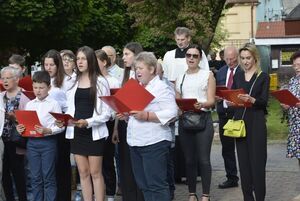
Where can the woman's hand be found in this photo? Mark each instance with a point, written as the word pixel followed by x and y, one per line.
pixel 115 137
pixel 20 128
pixel 230 104
pixel 10 116
pixel 298 105
pixel 42 130
pixel 81 123
pixel 246 98
pixel 198 105
pixel 59 123
pixel 284 106
pixel 122 116
pixel 140 115
pixel 218 98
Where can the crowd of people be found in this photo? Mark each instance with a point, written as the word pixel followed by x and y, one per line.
pixel 139 152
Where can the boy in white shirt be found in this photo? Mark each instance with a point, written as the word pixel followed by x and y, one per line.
pixel 41 152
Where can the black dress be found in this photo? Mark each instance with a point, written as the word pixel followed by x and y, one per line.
pixel 83 143
pixel 252 150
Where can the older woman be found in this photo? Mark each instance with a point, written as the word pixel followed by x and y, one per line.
pixel 148 134
pixel 13 157
pixel 252 150
pixel 293 143
pixel 196 145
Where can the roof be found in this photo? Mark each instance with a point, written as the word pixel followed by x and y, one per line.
pixel 270 30
pixel 295 13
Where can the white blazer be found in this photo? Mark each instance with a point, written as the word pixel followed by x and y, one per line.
pixel 100 116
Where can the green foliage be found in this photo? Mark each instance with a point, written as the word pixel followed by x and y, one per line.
pixel 163 16
pixel 35 26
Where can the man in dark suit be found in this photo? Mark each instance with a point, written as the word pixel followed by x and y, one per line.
pixel 224 77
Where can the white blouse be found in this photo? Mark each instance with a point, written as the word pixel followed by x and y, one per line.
pixel 143 133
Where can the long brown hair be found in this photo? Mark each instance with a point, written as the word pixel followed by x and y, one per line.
pixel 60 73
pixel 93 71
pixel 136 48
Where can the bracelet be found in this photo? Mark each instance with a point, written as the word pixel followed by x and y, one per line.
pixel 147 116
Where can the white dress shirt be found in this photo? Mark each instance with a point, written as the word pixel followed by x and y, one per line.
pixel 100 115
pixel 143 133
pixel 42 108
pixel 59 95
pixel 69 81
pixel 116 72
pixel 173 67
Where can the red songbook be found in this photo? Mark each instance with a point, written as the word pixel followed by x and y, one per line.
pixel 219 88
pixel 29 94
pixel 114 91
pixel 186 104
pixel 232 96
pixel 132 96
pixel 286 97
pixel 1 86
pixel 29 119
pixel 66 118
pixel 26 83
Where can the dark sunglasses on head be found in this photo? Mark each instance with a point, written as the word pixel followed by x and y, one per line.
pixel 195 56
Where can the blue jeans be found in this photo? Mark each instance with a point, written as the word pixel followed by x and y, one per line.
pixel 149 165
pixel 41 154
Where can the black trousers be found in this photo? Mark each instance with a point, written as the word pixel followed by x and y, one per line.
pixel 13 164
pixel 108 170
pixel 130 191
pixel 228 152
pixel 63 168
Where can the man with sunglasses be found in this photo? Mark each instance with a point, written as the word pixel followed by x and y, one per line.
pixel 224 77
pixel 174 62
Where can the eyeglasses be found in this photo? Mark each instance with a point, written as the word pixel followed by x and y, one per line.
pixel 6 78
pixel 195 56
pixel 68 60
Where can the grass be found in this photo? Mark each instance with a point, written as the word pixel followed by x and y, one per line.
pixel 276 129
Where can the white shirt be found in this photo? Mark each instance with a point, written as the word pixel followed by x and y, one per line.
pixel 194 85
pixel 42 108
pixel 173 67
pixel 69 81
pixel 100 115
pixel 143 133
pixel 59 95
pixel 116 72
pixel 227 78
pixel 2 112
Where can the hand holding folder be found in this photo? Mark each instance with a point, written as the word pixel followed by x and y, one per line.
pixel 30 120
pixel 232 96
pixel 132 96
pixel 65 118
pixel 186 104
pixel 285 97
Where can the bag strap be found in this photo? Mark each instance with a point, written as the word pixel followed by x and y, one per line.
pixel 181 85
pixel 250 93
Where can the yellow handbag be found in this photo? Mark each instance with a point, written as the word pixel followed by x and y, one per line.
pixel 235 128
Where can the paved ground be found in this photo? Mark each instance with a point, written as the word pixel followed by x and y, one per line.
pixel 283 177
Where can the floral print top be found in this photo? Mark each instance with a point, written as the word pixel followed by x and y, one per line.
pixel 293 144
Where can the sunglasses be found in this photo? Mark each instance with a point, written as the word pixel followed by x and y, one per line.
pixel 195 56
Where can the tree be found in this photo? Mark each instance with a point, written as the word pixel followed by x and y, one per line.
pixel 157 18
pixel 35 26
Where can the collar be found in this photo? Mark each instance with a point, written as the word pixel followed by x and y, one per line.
pixel 36 100
pixel 180 53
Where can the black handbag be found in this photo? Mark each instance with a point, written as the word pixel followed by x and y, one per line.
pixel 195 121
pixel 190 120
pixel 17 139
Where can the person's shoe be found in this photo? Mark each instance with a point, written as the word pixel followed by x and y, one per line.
pixel 228 184
pixel 119 191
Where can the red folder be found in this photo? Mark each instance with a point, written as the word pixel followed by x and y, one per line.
pixel 132 96
pixel 113 91
pixel 186 104
pixel 232 96
pixel 29 119
pixel 286 97
pixel 66 118
pixel 1 86
pixel 29 94
pixel 26 83
pixel 219 88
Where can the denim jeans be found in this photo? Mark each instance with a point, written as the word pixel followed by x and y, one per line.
pixel 41 153
pixel 149 164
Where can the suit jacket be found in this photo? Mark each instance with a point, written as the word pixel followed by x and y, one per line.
pixel 221 80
